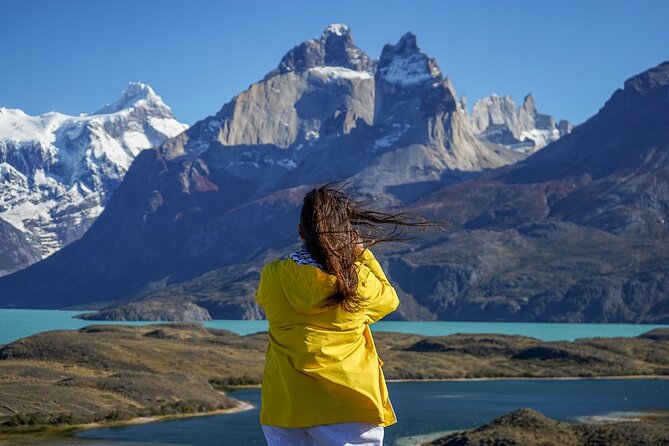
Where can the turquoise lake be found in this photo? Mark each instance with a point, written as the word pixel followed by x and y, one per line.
pixel 15 324
pixel 422 408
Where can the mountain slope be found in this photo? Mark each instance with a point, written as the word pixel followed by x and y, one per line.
pixel 577 232
pixel 15 250
pixel 57 171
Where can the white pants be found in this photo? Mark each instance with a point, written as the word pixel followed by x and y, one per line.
pixel 338 434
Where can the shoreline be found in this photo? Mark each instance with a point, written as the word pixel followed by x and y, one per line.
pixel 501 378
pixel 241 406
pixel 33 434
pixel 69 431
pixel 536 378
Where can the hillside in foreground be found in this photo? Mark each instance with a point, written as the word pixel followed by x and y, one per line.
pixel 108 373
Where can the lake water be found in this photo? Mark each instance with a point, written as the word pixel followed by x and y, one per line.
pixel 15 324
pixel 422 408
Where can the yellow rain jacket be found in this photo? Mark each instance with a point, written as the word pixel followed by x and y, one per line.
pixel 321 365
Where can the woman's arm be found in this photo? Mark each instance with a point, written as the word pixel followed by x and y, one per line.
pixel 380 296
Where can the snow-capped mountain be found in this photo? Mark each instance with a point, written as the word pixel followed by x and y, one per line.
pixel 328 110
pixel 227 188
pixel 57 171
pixel 496 119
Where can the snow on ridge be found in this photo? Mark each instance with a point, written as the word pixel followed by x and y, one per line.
pixel 17 125
pixel 167 126
pixel 540 137
pixel 328 73
pixel 338 29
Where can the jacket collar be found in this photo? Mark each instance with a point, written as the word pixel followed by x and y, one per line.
pixel 302 257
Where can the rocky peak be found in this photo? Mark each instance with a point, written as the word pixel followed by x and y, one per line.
pixel 337 29
pixel 651 86
pixel 496 119
pixel 136 94
pixel 334 48
pixel 649 80
pixel 529 106
pixel 405 64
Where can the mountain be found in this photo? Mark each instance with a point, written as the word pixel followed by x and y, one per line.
pixel 215 195
pixel 578 232
pixel 57 171
pixel 327 103
pixel 572 233
pixel 496 119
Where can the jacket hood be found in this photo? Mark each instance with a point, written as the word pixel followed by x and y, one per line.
pixel 306 286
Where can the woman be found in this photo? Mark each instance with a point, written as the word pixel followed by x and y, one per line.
pixel 323 383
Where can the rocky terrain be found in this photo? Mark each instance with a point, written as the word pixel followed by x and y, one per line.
pixel 57 171
pixel 108 373
pixel 528 427
pixel 577 232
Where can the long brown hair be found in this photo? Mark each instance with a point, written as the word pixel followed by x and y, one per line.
pixel 335 227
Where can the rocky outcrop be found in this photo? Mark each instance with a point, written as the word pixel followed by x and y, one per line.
pixel 421 137
pixel 152 310
pixel 496 119
pixel 531 428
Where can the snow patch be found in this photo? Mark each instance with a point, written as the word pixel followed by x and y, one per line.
pixel 287 163
pixel 334 73
pixel 338 29
pixel 540 137
pixel 408 70
pixel 168 126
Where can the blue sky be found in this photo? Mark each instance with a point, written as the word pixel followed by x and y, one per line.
pixel 74 56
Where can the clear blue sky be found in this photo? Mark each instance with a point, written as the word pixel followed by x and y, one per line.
pixel 74 56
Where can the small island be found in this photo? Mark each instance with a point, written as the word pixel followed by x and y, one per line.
pixel 60 381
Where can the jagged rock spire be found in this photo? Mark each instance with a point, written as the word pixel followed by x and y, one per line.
pixel 405 64
pixel 335 48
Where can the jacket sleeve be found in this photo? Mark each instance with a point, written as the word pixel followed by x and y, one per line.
pixel 261 289
pixel 380 296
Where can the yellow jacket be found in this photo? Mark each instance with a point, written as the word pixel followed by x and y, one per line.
pixel 321 365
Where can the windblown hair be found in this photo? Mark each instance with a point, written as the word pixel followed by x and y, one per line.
pixel 336 228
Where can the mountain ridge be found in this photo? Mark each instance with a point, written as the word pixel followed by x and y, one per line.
pixel 195 217
pixel 57 170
